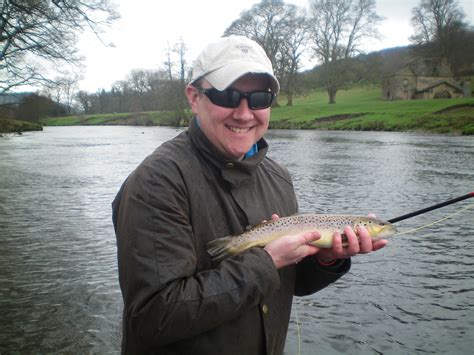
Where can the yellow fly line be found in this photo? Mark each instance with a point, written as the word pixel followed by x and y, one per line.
pixel 438 221
pixel 295 306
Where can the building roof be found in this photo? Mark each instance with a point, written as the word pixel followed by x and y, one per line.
pixel 438 83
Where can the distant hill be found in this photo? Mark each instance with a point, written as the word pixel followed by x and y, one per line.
pixel 28 106
pixel 389 60
pixel 13 98
pixel 374 66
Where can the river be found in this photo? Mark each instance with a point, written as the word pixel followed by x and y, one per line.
pixel 58 270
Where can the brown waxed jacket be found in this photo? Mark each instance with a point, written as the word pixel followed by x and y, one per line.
pixel 176 301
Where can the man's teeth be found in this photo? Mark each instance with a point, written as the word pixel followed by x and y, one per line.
pixel 239 130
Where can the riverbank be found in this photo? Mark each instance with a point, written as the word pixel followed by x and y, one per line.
pixel 360 108
pixel 15 126
pixel 363 109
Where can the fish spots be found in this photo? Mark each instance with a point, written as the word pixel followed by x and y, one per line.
pixel 263 233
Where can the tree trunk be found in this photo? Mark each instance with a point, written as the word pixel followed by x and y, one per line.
pixel 332 94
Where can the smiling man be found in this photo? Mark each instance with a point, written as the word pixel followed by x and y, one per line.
pixel 233 130
pixel 211 181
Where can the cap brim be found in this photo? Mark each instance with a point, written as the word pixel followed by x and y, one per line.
pixel 223 77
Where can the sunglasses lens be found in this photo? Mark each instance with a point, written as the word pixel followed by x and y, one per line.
pixel 226 98
pixel 231 98
pixel 260 100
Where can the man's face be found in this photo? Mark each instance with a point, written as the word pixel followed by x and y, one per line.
pixel 232 130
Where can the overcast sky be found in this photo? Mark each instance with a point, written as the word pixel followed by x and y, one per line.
pixel 146 27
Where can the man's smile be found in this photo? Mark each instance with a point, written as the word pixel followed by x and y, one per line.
pixel 239 130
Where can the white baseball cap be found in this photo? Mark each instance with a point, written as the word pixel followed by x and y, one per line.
pixel 226 60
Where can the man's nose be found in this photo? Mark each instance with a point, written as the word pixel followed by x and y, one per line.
pixel 243 111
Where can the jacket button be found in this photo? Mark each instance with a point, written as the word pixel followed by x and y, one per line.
pixel 265 309
pixel 229 165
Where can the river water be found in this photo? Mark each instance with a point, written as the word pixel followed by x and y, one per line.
pixel 58 272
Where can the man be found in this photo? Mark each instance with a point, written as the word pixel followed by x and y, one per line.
pixel 212 181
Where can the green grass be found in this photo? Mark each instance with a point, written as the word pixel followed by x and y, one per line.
pixel 360 108
pixel 15 126
pixel 155 118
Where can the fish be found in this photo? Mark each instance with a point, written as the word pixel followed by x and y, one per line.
pixel 327 224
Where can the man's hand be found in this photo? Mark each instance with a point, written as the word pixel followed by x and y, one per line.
pixel 291 249
pixel 358 242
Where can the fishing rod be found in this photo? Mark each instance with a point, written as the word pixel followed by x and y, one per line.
pixel 431 208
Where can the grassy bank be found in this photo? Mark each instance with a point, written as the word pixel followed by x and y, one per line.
pixel 154 118
pixel 15 126
pixel 360 108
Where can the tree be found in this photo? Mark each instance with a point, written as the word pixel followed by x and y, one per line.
pixel 63 90
pixel 32 107
pixel 171 89
pixel 84 101
pixel 140 85
pixel 337 30
pixel 180 50
pixel 281 30
pixel 439 29
pixel 35 31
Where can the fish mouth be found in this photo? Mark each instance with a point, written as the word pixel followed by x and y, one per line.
pixel 386 231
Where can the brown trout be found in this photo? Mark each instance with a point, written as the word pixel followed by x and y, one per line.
pixel 260 235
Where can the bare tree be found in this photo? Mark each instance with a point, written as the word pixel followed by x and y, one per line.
pixel 180 49
pixel 292 51
pixel 63 89
pixel 337 30
pixel 43 30
pixel 139 84
pixel 84 101
pixel 439 28
pixel 281 29
pixel 168 63
pixel 176 69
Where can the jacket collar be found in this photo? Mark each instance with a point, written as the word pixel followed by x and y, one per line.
pixel 233 171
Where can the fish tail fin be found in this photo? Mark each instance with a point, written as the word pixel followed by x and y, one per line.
pixel 219 249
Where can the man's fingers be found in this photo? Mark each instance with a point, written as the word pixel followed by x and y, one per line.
pixel 337 242
pixel 353 246
pixel 309 237
pixel 364 240
pixel 379 244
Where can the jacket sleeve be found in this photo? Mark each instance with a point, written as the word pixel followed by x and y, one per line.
pixel 312 277
pixel 165 298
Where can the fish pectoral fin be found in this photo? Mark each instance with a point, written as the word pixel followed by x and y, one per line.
pixel 219 248
pixel 222 248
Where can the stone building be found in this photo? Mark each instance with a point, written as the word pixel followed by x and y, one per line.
pixel 425 78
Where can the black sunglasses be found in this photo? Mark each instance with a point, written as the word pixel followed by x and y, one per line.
pixel 230 98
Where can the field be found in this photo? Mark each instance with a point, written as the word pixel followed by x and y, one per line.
pixel 360 108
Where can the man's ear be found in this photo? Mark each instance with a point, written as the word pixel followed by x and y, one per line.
pixel 192 95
